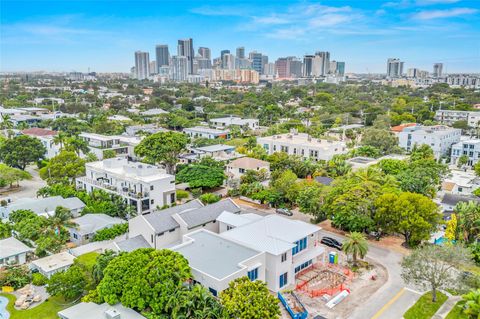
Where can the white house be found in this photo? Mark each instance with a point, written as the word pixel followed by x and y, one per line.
pixel 206 132
pixel 91 310
pixel 302 145
pixel 219 152
pixel 216 260
pixel 236 168
pixel 46 137
pixel 439 137
pixel 98 144
pixel 143 186
pixel 13 252
pixel 469 148
pixel 166 227
pixel 44 206
pixel 289 245
pixel 89 224
pixel 52 264
pixel 224 122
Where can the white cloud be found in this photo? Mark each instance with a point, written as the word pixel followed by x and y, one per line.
pixel 220 11
pixel 431 2
pixel 271 20
pixel 448 13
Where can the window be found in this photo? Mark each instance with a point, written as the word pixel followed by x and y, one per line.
pixel 213 291
pixel 241 170
pixel 151 201
pixel 283 279
pixel 300 245
pixel 151 187
pixel 229 227
pixel 253 274
pixel 303 266
pixel 75 236
pixel 284 257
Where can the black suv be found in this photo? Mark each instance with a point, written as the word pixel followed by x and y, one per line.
pixel 331 242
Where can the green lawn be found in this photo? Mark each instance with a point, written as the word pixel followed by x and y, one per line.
pixel 87 260
pixel 456 312
pixel 46 310
pixel 424 308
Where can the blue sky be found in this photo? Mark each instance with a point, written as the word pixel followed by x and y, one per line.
pixel 73 35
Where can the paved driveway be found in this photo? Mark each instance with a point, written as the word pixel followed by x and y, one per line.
pixel 28 188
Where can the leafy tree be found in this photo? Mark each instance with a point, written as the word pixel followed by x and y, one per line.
pixel 338 166
pixel 383 140
pixel 197 175
pixel 286 185
pixel 15 276
pixel 101 263
pixel 27 224
pixel 5 230
pixel 367 151
pixel 310 199
pixel 462 124
pixel 21 150
pixel 163 148
pixel 422 176
pixel 472 304
pixel 11 175
pixel 110 232
pixel 63 168
pixel 61 220
pixel 392 166
pixel 412 215
pixel 468 214
pixel 462 160
pixel 69 284
pixel 245 299
pixel 209 198
pixel 355 245
pixel 451 231
pixel 144 279
pixel 252 176
pixel 435 267
pixel 109 154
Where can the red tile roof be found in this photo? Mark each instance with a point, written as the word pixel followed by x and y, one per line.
pixel 35 131
pixel 399 128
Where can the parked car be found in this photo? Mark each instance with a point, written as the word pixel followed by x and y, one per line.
pixel 331 242
pixel 284 211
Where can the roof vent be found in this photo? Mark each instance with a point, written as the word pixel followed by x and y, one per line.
pixel 112 314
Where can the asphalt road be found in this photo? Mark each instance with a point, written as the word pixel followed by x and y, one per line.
pixel 393 298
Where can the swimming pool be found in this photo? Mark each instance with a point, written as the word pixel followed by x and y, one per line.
pixel 3 308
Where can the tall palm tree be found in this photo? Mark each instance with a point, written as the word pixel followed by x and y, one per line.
pixel 6 125
pixel 59 139
pixel 61 219
pixel 472 304
pixel 76 145
pixel 469 219
pixel 355 245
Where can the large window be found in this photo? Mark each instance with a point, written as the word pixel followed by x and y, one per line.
pixel 284 257
pixel 253 274
pixel 300 245
pixel 303 266
pixel 283 279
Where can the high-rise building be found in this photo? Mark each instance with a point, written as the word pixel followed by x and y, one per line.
pixel 264 61
pixel 185 48
pixel 394 68
pixel 308 65
pixel 281 68
pixel 205 53
pixel 256 60
pixel 162 55
pixel 437 70
pixel 203 63
pixel 240 52
pixel 153 67
pixel 228 61
pixel 321 64
pixel 269 69
pixel 340 70
pixel 222 54
pixel 179 68
pixel 142 65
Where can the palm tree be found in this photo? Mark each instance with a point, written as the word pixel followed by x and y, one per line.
pixel 76 145
pixel 61 219
pixel 356 245
pixel 59 139
pixel 472 304
pixel 469 219
pixel 6 125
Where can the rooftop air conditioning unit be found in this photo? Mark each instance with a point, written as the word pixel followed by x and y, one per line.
pixel 112 314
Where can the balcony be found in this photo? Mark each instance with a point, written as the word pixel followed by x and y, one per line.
pixel 113 189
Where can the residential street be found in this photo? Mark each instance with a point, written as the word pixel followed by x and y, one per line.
pixel 28 188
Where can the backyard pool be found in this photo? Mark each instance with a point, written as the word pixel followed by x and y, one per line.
pixel 3 308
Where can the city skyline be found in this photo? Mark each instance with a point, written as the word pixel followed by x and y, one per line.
pixel 77 36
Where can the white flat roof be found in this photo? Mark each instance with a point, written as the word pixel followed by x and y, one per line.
pixel 204 129
pixel 99 137
pixel 304 140
pixel 273 234
pixel 54 262
pixel 11 247
pixel 236 219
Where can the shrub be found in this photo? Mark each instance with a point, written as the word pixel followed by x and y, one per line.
pixel 38 279
pixel 209 198
pixel 110 233
pixel 181 194
pixel 15 276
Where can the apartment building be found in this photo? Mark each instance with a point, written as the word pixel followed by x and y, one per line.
pixel 224 122
pixel 166 227
pixel 206 132
pixel 439 137
pixel 98 144
pixel 448 117
pixel 303 145
pixel 143 186
pixel 219 152
pixel 469 148
pixel 46 137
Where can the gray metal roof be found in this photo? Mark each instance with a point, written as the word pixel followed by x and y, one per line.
pixel 92 310
pixel 454 199
pixel 209 213
pixel 211 254
pixel 215 148
pixel 133 243
pixel 91 223
pixel 11 247
pixel 45 205
pixel 162 220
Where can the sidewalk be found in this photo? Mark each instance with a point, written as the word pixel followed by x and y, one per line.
pixel 443 311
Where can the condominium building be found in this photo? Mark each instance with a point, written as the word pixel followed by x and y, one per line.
pixel 303 145
pixel 162 56
pixel 143 186
pixel 437 70
pixel 142 65
pixel 98 144
pixel 448 117
pixel 439 137
pixel 185 48
pixel 394 68
pixel 224 122
pixel 179 68
pixel 469 148
pixel 206 132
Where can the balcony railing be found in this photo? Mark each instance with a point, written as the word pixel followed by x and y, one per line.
pixel 114 189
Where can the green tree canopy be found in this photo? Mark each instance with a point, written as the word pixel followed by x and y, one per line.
pixel 12 175
pixel 69 284
pixel 197 175
pixel 63 168
pixel 21 150
pixel 383 140
pixel 245 299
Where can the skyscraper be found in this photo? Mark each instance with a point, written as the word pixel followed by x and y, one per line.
pixel 179 68
pixel 394 68
pixel 256 59
pixel 205 53
pixel 308 65
pixel 222 54
pixel 240 52
pixel 162 55
pixel 228 61
pixel 264 61
pixel 437 70
pixel 142 65
pixel 185 48
pixel 321 63
pixel 340 69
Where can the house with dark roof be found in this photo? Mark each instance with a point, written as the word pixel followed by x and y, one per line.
pixel 449 201
pixel 164 228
